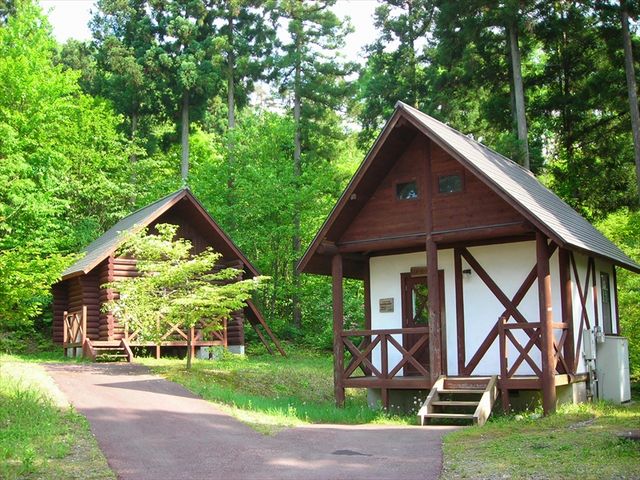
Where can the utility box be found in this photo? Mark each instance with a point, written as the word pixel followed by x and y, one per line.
pixel 612 368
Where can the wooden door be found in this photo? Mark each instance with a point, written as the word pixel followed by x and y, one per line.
pixel 415 313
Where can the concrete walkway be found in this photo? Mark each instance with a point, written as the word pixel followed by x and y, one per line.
pixel 150 428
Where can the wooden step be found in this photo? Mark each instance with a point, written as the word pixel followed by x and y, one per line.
pixel 464 416
pixel 454 403
pixel 471 383
pixel 105 343
pixel 457 391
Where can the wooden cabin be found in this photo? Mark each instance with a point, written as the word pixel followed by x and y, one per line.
pixel 475 274
pixel 78 297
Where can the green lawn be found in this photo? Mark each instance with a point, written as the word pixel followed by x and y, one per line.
pixel 271 392
pixel 40 436
pixel 578 442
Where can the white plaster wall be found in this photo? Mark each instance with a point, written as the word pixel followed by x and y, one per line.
pixel 385 274
pixel 601 266
pixel 507 264
pixel 581 266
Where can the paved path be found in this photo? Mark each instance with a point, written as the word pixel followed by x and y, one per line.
pixel 150 428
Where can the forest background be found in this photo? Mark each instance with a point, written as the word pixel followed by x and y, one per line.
pixel 253 105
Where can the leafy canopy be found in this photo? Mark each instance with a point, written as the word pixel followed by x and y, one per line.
pixel 176 287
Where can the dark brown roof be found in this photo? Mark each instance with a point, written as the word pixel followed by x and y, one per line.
pixel 106 244
pixel 534 201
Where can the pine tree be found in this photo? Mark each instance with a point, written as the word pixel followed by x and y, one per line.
pixel 314 78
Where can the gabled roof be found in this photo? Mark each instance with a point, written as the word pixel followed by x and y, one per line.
pixel 543 208
pixel 108 243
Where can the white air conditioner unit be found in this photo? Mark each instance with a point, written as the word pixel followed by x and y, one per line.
pixel 612 367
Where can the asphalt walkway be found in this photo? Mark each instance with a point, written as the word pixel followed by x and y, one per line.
pixel 150 428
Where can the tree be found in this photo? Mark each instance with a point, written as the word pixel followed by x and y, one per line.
pixel 175 287
pixel 396 62
pixel 62 178
pixel 315 80
pixel 186 59
pixel 631 86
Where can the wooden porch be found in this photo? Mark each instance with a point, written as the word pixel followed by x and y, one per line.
pixel 78 342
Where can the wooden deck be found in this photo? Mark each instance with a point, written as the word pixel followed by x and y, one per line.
pixel 528 382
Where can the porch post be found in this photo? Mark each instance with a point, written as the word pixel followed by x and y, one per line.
pixel 566 294
pixel 338 320
pixel 546 322
pixel 433 283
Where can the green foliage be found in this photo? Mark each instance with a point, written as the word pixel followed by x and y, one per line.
pixel 38 439
pixel 175 287
pixel 623 228
pixel 60 173
pixel 260 220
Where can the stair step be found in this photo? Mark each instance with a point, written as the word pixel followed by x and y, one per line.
pixel 454 403
pixel 460 390
pixel 468 416
pixel 115 355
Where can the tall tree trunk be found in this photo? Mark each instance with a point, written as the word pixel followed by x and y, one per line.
pixel 297 173
pixel 412 56
pixel 231 108
pixel 631 87
pixel 230 70
pixel 134 158
pixel 184 165
pixel 518 91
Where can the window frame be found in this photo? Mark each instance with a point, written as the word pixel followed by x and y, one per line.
pixel 456 173
pixel 406 181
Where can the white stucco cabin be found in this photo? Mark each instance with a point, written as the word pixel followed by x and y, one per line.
pixel 472 270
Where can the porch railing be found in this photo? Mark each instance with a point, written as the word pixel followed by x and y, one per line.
pixel 533 330
pixel 205 334
pixel 74 333
pixel 362 353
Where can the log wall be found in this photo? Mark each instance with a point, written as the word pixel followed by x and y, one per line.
pixel 59 306
pixel 83 290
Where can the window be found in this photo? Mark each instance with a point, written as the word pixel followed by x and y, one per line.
pixel 606 303
pixel 406 190
pixel 450 183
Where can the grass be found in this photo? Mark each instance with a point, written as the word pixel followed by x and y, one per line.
pixel 40 436
pixel 270 392
pixel 578 442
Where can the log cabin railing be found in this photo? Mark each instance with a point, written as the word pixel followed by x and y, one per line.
pixel 533 339
pixel 361 355
pixel 74 331
pixel 206 333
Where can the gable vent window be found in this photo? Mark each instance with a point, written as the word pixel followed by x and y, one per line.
pixel 406 190
pixel 450 183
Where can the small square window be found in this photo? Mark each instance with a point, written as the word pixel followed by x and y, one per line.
pixel 406 190
pixel 450 183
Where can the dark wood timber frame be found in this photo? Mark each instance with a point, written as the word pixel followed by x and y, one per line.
pixel 433 282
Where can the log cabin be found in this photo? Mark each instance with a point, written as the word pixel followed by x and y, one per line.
pixel 81 325
pixel 477 279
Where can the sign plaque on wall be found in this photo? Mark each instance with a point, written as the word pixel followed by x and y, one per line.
pixel 386 305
